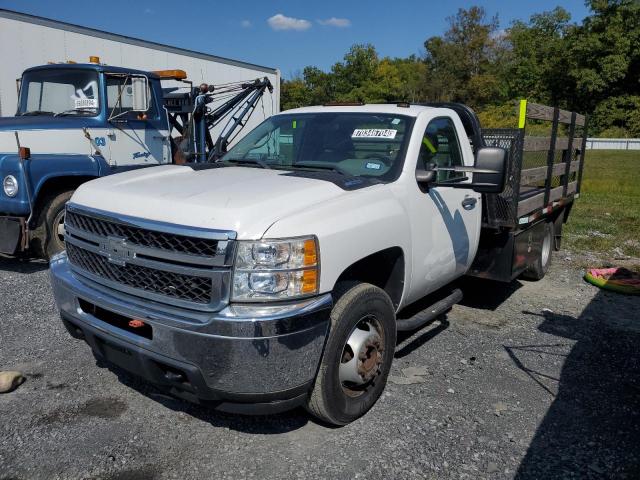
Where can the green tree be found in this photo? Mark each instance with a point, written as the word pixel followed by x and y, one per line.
pixel 602 56
pixel 293 94
pixel 617 117
pixel 462 64
pixel 531 67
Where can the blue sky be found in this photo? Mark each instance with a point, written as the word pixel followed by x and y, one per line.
pixel 282 33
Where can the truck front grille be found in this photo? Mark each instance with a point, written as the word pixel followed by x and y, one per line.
pixel 181 266
pixel 143 237
pixel 174 285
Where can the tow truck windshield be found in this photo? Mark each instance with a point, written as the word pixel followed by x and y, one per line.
pixel 57 92
pixel 356 144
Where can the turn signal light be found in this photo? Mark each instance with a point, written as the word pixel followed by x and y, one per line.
pixel 94 59
pixel 310 281
pixel 310 254
pixel 24 152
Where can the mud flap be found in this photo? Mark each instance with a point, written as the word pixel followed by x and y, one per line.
pixel 11 230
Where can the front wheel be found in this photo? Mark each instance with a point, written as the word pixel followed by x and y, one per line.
pixel 357 357
pixel 49 232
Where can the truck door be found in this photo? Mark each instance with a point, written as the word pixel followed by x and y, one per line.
pixel 446 219
pixel 134 138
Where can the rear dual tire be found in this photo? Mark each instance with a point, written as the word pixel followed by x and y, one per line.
pixel 539 268
pixel 358 354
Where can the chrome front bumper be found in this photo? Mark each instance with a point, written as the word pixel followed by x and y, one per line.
pixel 244 354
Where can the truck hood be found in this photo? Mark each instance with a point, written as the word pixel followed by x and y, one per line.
pixel 243 199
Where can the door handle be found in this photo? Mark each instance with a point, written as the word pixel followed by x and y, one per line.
pixel 469 202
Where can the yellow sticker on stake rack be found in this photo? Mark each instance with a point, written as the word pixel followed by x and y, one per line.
pixel 523 114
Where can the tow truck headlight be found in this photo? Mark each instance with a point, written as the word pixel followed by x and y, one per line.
pixel 10 186
pixel 276 269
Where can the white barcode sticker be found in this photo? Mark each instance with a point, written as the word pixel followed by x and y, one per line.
pixel 85 102
pixel 374 133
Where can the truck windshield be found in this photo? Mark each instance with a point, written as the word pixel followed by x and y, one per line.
pixel 59 92
pixel 357 144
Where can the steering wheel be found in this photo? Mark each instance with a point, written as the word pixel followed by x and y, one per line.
pixel 386 159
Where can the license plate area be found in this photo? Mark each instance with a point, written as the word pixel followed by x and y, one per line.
pixel 136 326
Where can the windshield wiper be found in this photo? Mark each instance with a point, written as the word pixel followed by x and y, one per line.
pixel 312 165
pixel 74 110
pixel 255 161
pixel 36 112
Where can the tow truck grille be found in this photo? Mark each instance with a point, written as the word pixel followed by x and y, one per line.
pixel 175 285
pixel 151 260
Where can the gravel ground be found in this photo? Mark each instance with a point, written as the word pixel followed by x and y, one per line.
pixel 533 380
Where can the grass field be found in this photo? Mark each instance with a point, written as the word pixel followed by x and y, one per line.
pixel 606 217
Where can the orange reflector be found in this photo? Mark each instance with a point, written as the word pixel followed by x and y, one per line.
pixel 310 253
pixel 24 152
pixel 310 281
pixel 94 59
pixel 135 323
pixel 171 74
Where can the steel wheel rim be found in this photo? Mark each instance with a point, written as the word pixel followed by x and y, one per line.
pixel 546 249
pixel 362 356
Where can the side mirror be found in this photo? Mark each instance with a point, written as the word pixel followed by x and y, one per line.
pixel 139 94
pixel 490 170
pixel 425 177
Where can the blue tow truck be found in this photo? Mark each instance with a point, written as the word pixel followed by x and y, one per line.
pixel 76 122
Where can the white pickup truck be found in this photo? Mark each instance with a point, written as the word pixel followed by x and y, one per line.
pixel 278 276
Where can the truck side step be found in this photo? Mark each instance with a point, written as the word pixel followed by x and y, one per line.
pixel 430 313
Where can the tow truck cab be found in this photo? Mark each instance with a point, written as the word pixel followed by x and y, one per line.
pixel 74 122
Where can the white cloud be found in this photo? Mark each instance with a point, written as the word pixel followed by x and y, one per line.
pixel 246 24
pixel 335 22
pixel 281 22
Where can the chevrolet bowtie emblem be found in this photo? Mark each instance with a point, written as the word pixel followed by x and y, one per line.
pixel 116 250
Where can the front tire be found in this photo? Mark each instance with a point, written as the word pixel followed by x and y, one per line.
pixel 49 232
pixel 358 354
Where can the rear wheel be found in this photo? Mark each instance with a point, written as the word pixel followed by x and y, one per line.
pixel 539 268
pixel 358 355
pixel 48 237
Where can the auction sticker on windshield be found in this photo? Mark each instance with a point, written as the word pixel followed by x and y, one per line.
pixel 374 133
pixel 85 102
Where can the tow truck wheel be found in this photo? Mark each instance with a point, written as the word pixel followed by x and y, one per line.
pixel 358 354
pixel 539 269
pixel 49 232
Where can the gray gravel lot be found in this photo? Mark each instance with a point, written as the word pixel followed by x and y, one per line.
pixel 533 380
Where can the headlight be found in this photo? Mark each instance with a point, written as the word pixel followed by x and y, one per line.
pixel 10 186
pixel 276 269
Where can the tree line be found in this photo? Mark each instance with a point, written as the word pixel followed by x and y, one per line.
pixel 590 67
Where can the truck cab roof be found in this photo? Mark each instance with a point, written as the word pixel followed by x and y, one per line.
pixel 405 109
pixel 92 66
